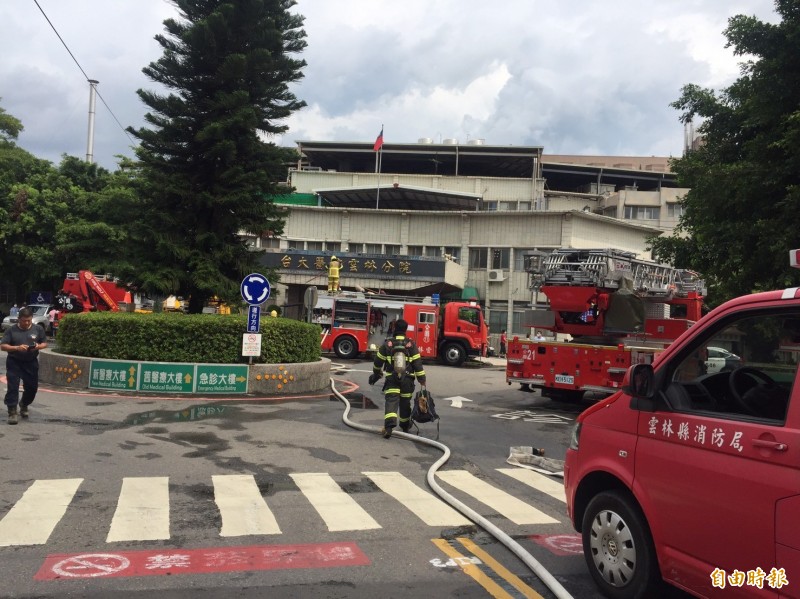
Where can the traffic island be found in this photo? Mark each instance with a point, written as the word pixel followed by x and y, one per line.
pixel 182 378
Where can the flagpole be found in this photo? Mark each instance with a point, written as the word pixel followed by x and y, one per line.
pixel 379 164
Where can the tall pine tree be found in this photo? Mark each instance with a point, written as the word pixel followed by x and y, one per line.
pixel 741 216
pixel 207 172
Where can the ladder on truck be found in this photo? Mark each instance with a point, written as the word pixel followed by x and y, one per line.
pixel 611 269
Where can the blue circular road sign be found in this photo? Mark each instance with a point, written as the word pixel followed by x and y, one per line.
pixel 255 289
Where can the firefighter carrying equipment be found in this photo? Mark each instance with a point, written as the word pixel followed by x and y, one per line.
pixel 333 274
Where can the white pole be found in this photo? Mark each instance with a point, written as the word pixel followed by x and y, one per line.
pixel 90 140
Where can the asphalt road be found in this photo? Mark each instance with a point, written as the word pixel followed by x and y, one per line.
pixel 183 497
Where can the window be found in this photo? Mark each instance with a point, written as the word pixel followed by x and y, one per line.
pixel 522 206
pixel 415 250
pixel 356 248
pixel 270 242
pixel 642 212
pixel 455 252
pixel 314 245
pixel 498 317
pixel 675 210
pixel 507 206
pixel 433 252
pixel 471 315
pixel 501 257
pixel 426 317
pixel 392 250
pixel 743 371
pixel 333 246
pixel 490 206
pixel 478 257
pixel 373 248
pixel 519 257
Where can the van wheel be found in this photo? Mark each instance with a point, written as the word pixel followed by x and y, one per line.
pixel 618 547
pixel 346 347
pixel 453 354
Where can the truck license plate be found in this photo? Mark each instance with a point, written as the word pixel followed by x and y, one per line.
pixel 565 380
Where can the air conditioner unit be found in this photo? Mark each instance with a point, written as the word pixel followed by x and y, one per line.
pixel 496 275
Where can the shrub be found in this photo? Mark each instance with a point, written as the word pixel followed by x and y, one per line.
pixel 176 337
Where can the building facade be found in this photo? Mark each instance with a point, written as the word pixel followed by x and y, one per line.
pixel 458 221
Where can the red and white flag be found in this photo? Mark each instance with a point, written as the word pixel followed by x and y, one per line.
pixel 378 142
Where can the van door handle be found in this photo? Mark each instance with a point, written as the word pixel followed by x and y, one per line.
pixel 777 446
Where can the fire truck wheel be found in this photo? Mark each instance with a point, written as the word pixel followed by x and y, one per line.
pixel 346 347
pixel 453 354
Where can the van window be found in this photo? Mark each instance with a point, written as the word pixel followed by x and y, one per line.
pixel 745 369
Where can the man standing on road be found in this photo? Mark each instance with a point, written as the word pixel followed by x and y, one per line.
pixel 399 385
pixel 22 342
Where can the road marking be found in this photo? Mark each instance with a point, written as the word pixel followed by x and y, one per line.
pixel 487 559
pixel 560 544
pixel 338 510
pixel 540 482
pixel 164 561
pixel 426 506
pixel 243 509
pixel 34 517
pixel 507 505
pixel 457 400
pixel 142 510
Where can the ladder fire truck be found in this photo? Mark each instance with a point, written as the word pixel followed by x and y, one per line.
pixel 354 322
pixel 617 309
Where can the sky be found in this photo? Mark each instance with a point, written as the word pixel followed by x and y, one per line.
pixel 575 77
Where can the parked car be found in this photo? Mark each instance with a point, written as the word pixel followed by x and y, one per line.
pixel 40 317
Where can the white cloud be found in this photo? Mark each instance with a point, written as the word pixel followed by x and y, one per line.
pixel 575 77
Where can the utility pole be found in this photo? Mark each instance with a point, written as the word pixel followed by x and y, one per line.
pixel 92 101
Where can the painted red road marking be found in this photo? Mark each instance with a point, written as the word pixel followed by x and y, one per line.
pixel 560 544
pixel 200 561
pixel 91 565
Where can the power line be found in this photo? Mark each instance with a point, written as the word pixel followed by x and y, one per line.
pixel 111 112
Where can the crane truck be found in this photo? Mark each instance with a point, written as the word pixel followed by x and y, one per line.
pixel 617 311
pixel 84 291
pixel 354 322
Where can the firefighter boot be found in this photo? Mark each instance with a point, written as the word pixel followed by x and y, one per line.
pixel 12 416
pixel 386 431
pixel 23 411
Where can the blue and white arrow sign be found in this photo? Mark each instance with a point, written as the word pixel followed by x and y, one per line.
pixel 255 289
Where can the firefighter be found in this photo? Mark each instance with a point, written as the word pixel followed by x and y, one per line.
pixel 400 380
pixel 333 274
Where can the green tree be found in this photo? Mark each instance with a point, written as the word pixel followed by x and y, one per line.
pixel 206 171
pixel 10 126
pixel 741 216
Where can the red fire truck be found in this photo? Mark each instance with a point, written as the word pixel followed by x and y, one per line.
pixel 354 322
pixel 618 311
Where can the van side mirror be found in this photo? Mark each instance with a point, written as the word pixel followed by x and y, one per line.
pixel 639 383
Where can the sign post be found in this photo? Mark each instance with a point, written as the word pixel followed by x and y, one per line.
pixel 255 291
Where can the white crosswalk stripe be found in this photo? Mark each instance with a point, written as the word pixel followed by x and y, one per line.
pixel 243 509
pixel 552 487
pixel 34 517
pixel 503 503
pixel 143 506
pixel 335 507
pixel 142 510
pixel 428 507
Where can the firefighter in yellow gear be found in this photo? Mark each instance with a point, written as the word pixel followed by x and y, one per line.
pixel 333 274
pixel 399 386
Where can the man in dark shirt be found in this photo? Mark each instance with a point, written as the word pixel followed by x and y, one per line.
pixel 22 342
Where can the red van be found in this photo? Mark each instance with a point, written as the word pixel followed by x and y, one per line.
pixel 690 475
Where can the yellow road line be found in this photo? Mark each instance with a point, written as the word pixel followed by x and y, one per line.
pixel 472 570
pixel 509 576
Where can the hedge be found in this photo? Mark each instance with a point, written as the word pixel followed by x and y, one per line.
pixel 177 337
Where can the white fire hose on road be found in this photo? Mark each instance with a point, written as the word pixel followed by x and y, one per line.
pixel 548 579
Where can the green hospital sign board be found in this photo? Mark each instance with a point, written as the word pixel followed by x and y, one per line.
pixel 114 374
pixel 167 377
pixel 221 378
